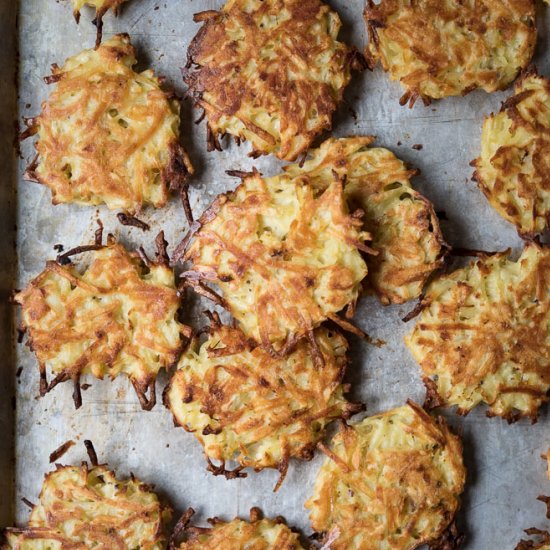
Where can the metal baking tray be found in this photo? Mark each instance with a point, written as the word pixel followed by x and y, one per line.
pixel 505 471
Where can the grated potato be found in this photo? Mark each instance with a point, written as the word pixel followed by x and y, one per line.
pixel 403 225
pixel 390 482
pixel 285 255
pixel 108 135
pixel 441 48
pixel 483 335
pixel 269 71
pixel 116 316
pixel 82 508
pixel 513 168
pixel 247 406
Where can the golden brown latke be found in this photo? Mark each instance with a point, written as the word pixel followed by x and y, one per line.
pixel 119 315
pixel 404 227
pixel 285 255
pixel 483 335
pixel 83 507
pixel 513 168
pixel 269 71
pixel 390 481
pixel 245 405
pixel 256 534
pixel 441 48
pixel 108 134
pixel 101 8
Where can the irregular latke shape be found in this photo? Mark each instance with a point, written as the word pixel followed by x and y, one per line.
pixel 269 71
pixel 101 8
pixel 108 134
pixel 285 255
pixel 116 316
pixel 391 481
pixel 404 227
pixel 513 168
pixel 245 405
pixel 441 48
pixel 484 335
pixel 256 534
pixel 82 507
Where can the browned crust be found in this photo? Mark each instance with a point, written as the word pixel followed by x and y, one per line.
pixel 221 534
pixel 219 74
pixel 33 300
pixel 448 538
pixel 93 528
pixel 417 30
pixel 173 175
pixel 215 397
pixel 537 151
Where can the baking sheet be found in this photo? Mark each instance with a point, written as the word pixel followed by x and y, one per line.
pixel 505 471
